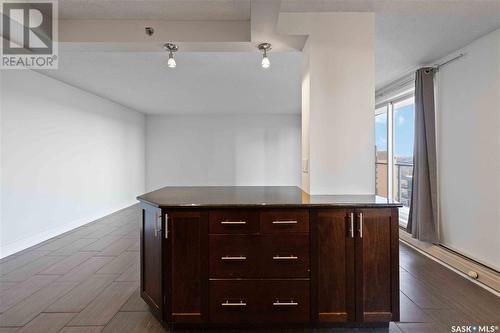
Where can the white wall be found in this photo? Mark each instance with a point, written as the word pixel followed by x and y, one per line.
pixel 68 157
pixel 340 94
pixel 306 111
pixel 223 150
pixel 468 100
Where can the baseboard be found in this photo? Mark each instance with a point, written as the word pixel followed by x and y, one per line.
pixel 486 277
pixel 21 244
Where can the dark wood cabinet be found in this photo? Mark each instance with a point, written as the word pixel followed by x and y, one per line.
pixel 151 259
pixel 376 262
pixel 333 268
pixel 259 267
pixel 187 251
pixel 326 264
pixel 356 265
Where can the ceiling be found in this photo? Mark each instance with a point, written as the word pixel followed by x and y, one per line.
pixel 222 82
pixel 408 33
pixel 176 10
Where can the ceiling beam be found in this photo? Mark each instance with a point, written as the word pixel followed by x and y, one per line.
pixel 191 36
pixel 133 31
pixel 264 20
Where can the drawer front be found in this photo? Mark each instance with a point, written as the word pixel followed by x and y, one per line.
pixel 285 301
pixel 232 301
pixel 285 256
pixel 233 221
pixel 234 255
pixel 259 256
pixel 259 301
pixel 289 220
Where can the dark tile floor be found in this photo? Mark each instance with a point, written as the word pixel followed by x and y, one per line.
pixel 86 280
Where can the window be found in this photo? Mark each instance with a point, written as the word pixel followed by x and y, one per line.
pixel 381 167
pixel 394 132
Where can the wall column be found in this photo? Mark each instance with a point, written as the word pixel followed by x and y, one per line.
pixel 338 92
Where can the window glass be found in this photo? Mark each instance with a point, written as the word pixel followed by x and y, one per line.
pixel 403 129
pixel 381 167
pixel 394 135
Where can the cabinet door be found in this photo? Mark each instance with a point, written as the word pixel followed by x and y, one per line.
pixel 188 241
pixel 151 259
pixel 377 265
pixel 332 266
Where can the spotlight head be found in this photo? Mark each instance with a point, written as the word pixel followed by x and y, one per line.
pixel 264 47
pixel 171 62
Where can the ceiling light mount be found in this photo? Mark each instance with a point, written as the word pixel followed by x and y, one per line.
pixel 149 31
pixel 264 47
pixel 171 48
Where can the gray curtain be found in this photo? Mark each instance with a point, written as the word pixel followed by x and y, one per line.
pixel 422 221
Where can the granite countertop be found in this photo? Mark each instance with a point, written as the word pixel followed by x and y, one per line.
pixel 256 196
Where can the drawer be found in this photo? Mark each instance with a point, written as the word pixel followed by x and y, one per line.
pixel 259 256
pixel 285 301
pixel 234 255
pixel 259 301
pixel 287 220
pixel 233 221
pixel 285 256
pixel 233 301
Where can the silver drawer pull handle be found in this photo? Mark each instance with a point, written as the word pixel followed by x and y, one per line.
pixel 292 303
pixel 285 258
pixel 233 222
pixel 227 303
pixel 285 222
pixel 233 258
pixel 351 226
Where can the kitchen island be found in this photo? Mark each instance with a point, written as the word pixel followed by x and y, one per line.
pixel 268 257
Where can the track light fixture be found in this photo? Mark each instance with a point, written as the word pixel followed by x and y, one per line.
pixel 171 48
pixel 264 47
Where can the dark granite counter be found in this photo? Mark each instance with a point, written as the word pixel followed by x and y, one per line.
pixel 256 196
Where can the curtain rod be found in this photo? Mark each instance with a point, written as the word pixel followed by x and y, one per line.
pixel 406 80
pixel 437 67
pixel 412 77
